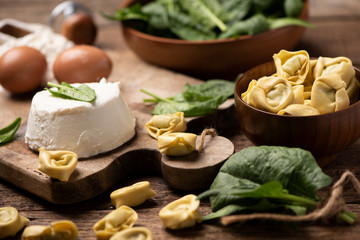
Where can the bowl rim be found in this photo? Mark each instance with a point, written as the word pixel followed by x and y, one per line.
pixel 237 96
pixel 207 42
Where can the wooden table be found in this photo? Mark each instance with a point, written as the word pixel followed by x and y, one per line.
pixel 337 34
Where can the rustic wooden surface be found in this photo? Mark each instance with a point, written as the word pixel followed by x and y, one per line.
pixel 337 34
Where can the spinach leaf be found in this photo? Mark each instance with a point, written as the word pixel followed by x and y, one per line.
pixel 236 9
pixel 205 12
pixel 293 7
pixel 283 22
pixel 7 133
pixel 82 93
pixel 287 178
pixel 198 20
pixel 254 25
pixel 133 12
pixel 195 100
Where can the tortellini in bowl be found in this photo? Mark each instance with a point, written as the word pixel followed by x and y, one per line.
pixel 316 109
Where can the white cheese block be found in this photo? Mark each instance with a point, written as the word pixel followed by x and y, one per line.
pixel 85 128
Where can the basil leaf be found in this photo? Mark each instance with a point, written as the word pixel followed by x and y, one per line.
pixel 82 93
pixel 7 133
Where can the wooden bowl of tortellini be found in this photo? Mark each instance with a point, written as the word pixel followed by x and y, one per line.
pixel 298 101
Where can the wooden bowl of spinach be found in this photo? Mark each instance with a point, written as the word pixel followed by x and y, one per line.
pixel 211 39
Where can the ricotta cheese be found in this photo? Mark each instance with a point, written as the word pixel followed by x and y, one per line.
pixel 85 128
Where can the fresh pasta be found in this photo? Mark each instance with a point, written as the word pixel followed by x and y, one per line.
pixel 11 222
pixel 57 164
pixel 166 123
pixel 64 230
pixel 181 213
pixel 132 195
pixel 177 144
pixel 117 220
pixel 319 86
pixel 136 233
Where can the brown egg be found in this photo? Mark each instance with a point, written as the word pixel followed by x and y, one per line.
pixel 82 63
pixel 22 69
pixel 79 28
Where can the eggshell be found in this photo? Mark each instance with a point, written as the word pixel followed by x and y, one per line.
pixel 79 28
pixel 82 63
pixel 22 69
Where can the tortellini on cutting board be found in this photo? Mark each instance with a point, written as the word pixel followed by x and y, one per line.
pixel 132 195
pixel 177 144
pixel 57 164
pixel 117 220
pixel 64 230
pixel 181 213
pixel 11 222
pixel 135 233
pixel 166 123
pixel 302 86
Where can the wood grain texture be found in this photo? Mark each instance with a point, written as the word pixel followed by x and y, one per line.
pixel 337 33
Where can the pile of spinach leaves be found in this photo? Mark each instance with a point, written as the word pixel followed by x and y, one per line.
pixel 210 19
pixel 195 100
pixel 268 179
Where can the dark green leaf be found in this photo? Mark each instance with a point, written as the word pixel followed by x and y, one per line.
pixel 236 9
pixel 287 178
pixel 254 25
pixel 7 133
pixel 293 7
pixel 284 22
pixel 205 12
pixel 65 90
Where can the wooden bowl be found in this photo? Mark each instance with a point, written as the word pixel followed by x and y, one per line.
pixel 323 135
pixel 224 58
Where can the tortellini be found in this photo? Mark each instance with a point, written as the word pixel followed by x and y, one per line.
pixel 64 230
pixel 299 110
pixel 11 222
pixel 319 86
pixel 342 66
pixel 271 94
pixel 117 220
pixel 135 233
pixel 132 195
pixel 293 66
pixel 181 213
pixel 57 164
pixel 166 123
pixel 329 94
pixel 177 144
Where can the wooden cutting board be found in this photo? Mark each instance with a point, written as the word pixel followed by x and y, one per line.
pixel 18 164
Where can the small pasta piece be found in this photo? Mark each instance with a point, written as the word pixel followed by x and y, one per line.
pixel 343 66
pixel 134 233
pixel 11 222
pixel 37 232
pixel 177 144
pixel 166 123
pixel 57 164
pixel 293 66
pixel 299 95
pixel 245 96
pixel 132 195
pixel 329 95
pixel 271 94
pixel 64 230
pixel 117 220
pixel 181 213
pixel 299 110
